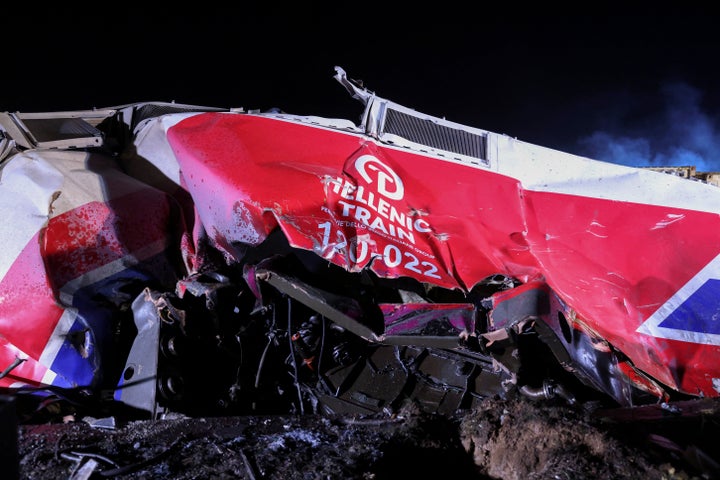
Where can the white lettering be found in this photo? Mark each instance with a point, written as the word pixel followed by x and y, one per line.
pixel 383 207
pixel 363 215
pixel 346 208
pixel 364 206
pixel 421 225
pixel 378 225
pixel 388 183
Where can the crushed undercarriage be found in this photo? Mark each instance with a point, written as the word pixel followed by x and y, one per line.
pixel 294 334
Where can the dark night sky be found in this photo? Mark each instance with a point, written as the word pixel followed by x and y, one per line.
pixel 638 88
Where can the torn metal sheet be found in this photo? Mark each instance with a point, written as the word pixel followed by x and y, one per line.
pixel 140 378
pixel 428 319
pixel 75 252
pixel 306 254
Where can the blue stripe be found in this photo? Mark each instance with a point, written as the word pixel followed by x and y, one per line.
pixel 700 313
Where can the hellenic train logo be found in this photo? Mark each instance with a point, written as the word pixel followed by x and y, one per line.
pixel 693 313
pixel 389 184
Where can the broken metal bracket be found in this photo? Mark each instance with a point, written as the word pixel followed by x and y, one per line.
pixel 321 301
pixel 138 387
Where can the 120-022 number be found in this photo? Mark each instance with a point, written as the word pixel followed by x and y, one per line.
pixel 392 255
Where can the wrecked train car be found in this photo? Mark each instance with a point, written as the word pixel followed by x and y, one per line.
pixel 172 257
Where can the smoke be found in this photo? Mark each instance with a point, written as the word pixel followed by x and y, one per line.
pixel 681 134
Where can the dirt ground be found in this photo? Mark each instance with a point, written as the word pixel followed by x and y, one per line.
pixel 504 439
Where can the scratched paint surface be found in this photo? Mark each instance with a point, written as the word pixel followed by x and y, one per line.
pixel 618 263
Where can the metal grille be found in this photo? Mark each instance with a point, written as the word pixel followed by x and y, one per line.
pixel 53 129
pixel 441 137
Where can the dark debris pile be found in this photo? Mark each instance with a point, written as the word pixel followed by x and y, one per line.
pixel 500 439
